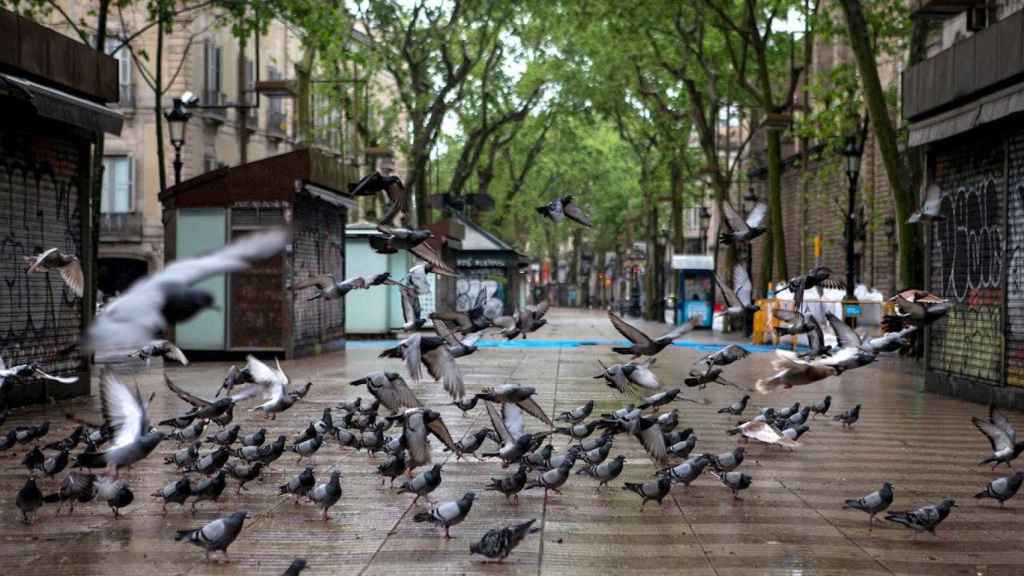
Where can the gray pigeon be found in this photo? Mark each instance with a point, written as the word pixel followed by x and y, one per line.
pixel 683 448
pixel 737 407
pixel 735 481
pixel 295 568
pixel 577 414
pixel 561 208
pixel 579 431
pixel 244 473
pixel 725 356
pixel 727 461
pixel 499 542
pixel 210 463
pixel 848 418
pixel 597 455
pixel 327 494
pixel 208 489
pixel 225 437
pixel 931 209
pixel 655 490
pixel 925 518
pixel 29 500
pixel 423 483
pixel 191 432
pixel 668 421
pixel 307 447
pixel 873 503
pixel 77 487
pixel 184 458
pixel 688 471
pixel 605 472
pixel 1002 489
pixel 743 229
pixel 470 443
pixel 217 535
pixel 394 467
pixel 1002 435
pixel 510 485
pixel 552 479
pixel 257 438
pixel 448 514
pixel 822 407
pixel 299 485
pixel 175 492
pixel 643 345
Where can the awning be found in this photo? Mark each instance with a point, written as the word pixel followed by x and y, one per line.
pixel 969 116
pixel 63 107
pixel 329 196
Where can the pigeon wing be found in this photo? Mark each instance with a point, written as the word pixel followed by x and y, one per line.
pixel 741 284
pixel 498 423
pixel 791 316
pixel 642 376
pixel 123 410
pixel 574 213
pixel 757 215
pixel 846 336
pixel 513 418
pixel 398 393
pixel 633 334
pixel 439 429
pixel 176 353
pixel 531 407
pixel 733 219
pixel 654 442
pixel 730 295
pixel 996 435
pixel 683 328
pixel 999 419
pixel 426 252
pixel 456 321
pixel 184 395
pixel 72 275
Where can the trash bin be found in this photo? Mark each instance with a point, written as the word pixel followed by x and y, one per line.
pixel 696 288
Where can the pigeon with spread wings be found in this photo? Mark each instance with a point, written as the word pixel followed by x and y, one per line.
pixel 644 345
pixel 330 289
pixel 561 208
pixel 416 424
pixel 220 410
pixel 522 396
pixel 629 377
pixel 164 349
pixel 29 371
pixel 67 264
pixel 739 297
pixel 740 229
pixel 931 210
pixel 458 347
pixel 515 442
pixel 412 311
pixel 167 297
pixel 432 352
pixel 390 389
pixel 1002 435
pixel 274 384
pixel 473 320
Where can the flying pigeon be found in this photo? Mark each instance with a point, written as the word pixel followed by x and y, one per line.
pixel 476 319
pixel 422 484
pixel 67 264
pixel 931 210
pixel 522 396
pixel 655 490
pixel 523 322
pixel 327 494
pixel 161 348
pixel 499 542
pixel 458 346
pixel 743 230
pixel 629 377
pixel 1002 489
pixel 217 535
pixel 561 208
pixel 390 389
pixel 29 371
pixel 432 352
pixel 470 443
pixel 915 307
pixel 797 322
pixel 698 378
pixel 507 422
pixel 417 423
pixel 725 356
pixel 644 345
pixel 792 371
pixel 448 514
pixel 815 341
pixel 274 384
pixel 925 518
pixel 330 289
pixel 738 297
pixel 1002 435
pixel 873 503
pixel 510 485
pixel 817 277
pixel 167 297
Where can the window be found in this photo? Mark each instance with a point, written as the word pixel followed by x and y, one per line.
pixel 124 70
pixel 692 218
pixel 118 185
pixel 212 57
pixel 277 121
pixel 249 96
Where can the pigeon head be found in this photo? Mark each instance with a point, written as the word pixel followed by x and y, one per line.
pixel 183 303
pixel 947 504
pixel 620 458
pixel 436 469
pixel 469 496
pixel 335 475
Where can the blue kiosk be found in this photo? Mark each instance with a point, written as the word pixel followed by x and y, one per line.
pixel 695 288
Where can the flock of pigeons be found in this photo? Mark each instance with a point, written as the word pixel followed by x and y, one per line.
pixel 394 421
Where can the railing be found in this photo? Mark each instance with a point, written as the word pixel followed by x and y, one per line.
pixel 121 227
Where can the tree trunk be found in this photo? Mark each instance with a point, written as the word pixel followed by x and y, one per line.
pixel 651 276
pixel 897 171
pixel 676 175
pixel 158 96
pixel 778 237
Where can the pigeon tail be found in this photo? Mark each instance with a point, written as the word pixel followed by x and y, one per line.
pixel 733 431
pixel 633 487
pixel 90 460
pixel 422 517
pixel 979 495
pixel 182 534
pixel 621 350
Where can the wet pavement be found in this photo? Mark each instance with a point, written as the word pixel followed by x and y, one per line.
pixel 791 520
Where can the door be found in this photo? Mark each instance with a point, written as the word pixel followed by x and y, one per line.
pixel 200 231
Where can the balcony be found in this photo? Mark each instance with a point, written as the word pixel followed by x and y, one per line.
pixel 973 67
pixel 121 227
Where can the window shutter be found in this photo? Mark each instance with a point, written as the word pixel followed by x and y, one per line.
pixel 130 185
pixel 207 64
pixel 217 72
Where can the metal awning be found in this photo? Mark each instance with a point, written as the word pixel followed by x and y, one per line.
pixel 329 196
pixel 969 116
pixel 63 107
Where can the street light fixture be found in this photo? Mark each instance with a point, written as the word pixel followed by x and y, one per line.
pixel 705 220
pixel 177 118
pixel 852 155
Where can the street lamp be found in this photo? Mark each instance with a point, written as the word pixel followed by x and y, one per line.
pixel 705 219
pixel 851 155
pixel 177 118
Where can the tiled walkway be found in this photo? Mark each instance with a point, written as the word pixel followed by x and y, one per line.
pixel 790 521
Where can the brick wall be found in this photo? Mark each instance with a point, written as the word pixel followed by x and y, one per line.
pixel 316 225
pixel 40 318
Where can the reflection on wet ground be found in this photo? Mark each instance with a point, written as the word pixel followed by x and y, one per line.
pixel 791 520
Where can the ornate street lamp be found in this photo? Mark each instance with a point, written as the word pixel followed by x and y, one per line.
pixel 177 118
pixel 852 152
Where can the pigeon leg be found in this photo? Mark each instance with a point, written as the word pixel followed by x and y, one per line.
pixel 446 534
pixel 163 510
pixel 207 555
pixel 193 508
pixel 325 515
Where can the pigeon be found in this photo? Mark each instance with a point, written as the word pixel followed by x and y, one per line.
pixel 190 433
pixel 225 437
pixel 160 348
pixel 295 568
pixel 561 208
pixel 211 462
pixel 629 377
pixel 792 371
pixel 848 418
pixel 167 297
pixel 274 384
pixel 448 514
pixel 688 471
pixel 892 341
pixel 470 443
pixel 655 490
pixel 521 396
pixel 116 493
pixel 33 460
pixel 1002 489
pixel 596 442
pixel 569 456
pixel 873 503
pixel 330 289
pixel 466 405
pixel 244 473
pixel 26 434
pixel 597 455
pixel 659 399
pixel 266 453
pixel 797 322
pixel 734 481
pixel 56 259
pixel 68 443
pixel 236 376
pixel 539 458
pixel 577 414
pixel 76 487
pixel 208 489
pixel 739 297
pixel 458 346
pixel 307 447
pixel 925 518
pixel 390 389
pixel 915 307
pixel 644 429
pixel 762 432
pixel 822 407
pixel 725 356
pixel 422 484
pixel 124 411
pixel 432 352
pixel 175 492
pixel 184 458
pixel 510 485
pixel 508 423
pixel 373 183
pixel 644 345
pixel 416 424
pixel 698 378
pixel 394 467
pixel 1002 435
pixel 299 485
pixel 220 410
pixel 28 500
pixel 668 421
pixel 931 209
pixel 796 419
pixel 816 346
pixel 217 535
pixel 394 238
pixel 256 438
pixel 499 542
pixel 327 494
pixel 727 461
pixel 28 372
pixel 737 407
pixel 817 277
pixel 55 464
pixel 346 438
pixel 740 229
pixel 682 448
pixel 475 319
pixel 606 471
pixel 554 478
pixel 853 351
pixel 373 440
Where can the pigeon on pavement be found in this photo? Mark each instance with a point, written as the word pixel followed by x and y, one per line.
pixel 208 489
pixel 848 418
pixel 448 514
pixel 822 407
pixel 217 535
pixel 655 490
pixel 925 518
pixel 734 481
pixel 175 492
pixel 510 485
pixel 606 471
pixel 327 494
pixel 873 503
pixel 423 483
pixel 1002 489
pixel 299 485
pixel 28 500
pixel 737 407
pixel 498 543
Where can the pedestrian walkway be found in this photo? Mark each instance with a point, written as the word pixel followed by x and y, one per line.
pixel 791 520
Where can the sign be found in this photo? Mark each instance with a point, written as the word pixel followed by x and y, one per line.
pixel 851 310
pixel 428 302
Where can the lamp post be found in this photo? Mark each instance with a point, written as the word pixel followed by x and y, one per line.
pixel 851 155
pixel 705 220
pixel 177 117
